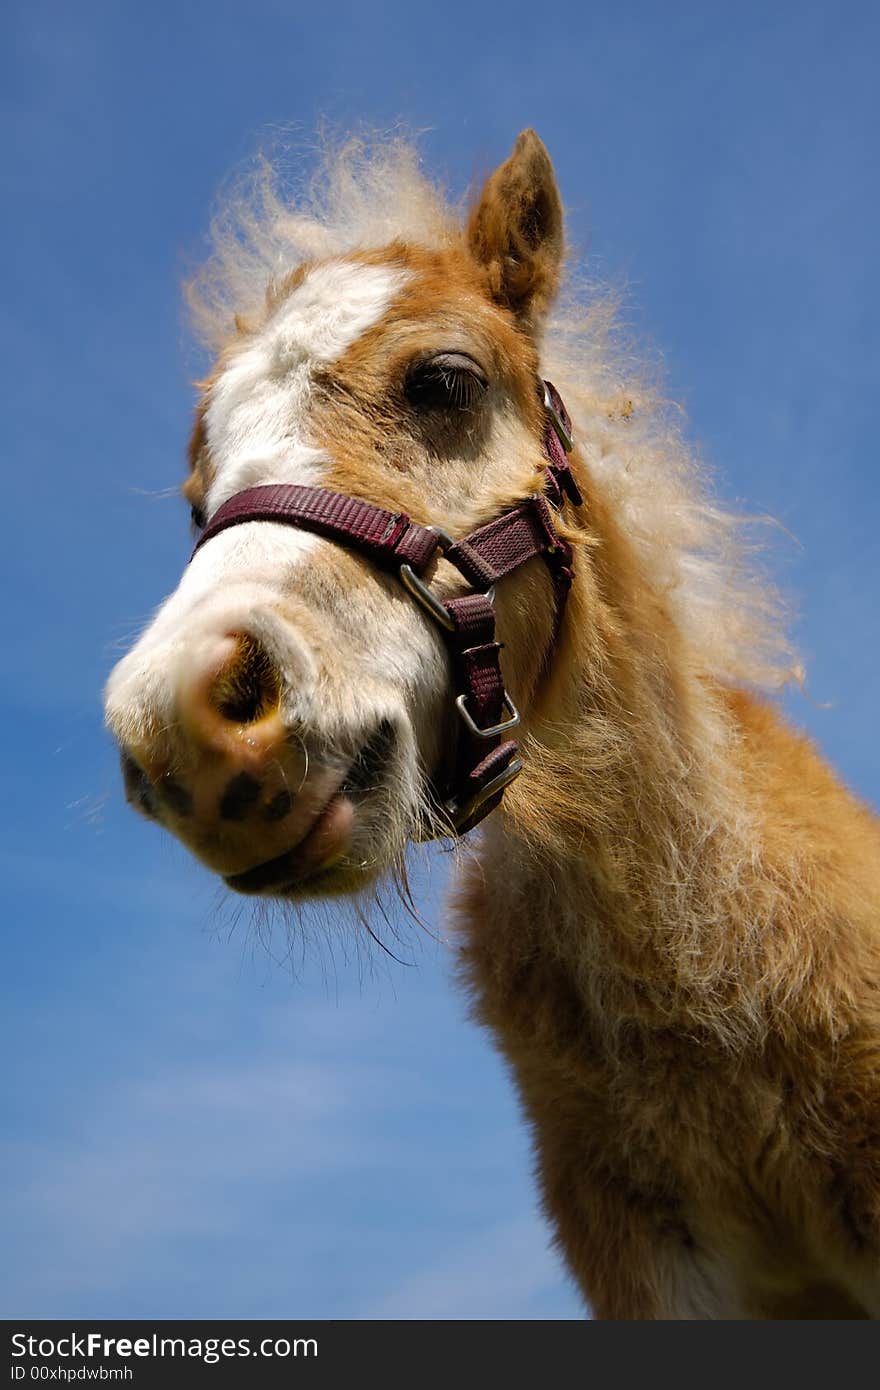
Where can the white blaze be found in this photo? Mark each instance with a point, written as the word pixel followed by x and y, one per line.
pixel 257 431
pixel 256 419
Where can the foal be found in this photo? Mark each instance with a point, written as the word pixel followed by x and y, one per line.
pixel 670 919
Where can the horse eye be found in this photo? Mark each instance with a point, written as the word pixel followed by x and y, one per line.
pixel 197 517
pixel 447 381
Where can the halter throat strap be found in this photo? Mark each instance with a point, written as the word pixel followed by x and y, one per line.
pixel 485 761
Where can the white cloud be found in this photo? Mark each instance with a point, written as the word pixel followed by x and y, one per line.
pixel 176 1156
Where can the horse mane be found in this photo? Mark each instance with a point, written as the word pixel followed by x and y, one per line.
pixel 364 192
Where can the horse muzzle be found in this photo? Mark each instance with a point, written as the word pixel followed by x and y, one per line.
pixel 264 802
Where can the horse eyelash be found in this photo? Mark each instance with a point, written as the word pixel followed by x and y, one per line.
pixel 466 388
pixel 461 385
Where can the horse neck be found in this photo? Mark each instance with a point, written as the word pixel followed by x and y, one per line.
pixel 627 833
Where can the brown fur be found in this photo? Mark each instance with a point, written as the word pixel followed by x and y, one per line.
pixel 671 925
pixel 684 975
pixel 690 1007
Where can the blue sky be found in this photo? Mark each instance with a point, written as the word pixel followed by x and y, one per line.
pixel 194 1126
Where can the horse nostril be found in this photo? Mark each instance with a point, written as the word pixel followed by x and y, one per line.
pixel 249 686
pixel 139 790
pixel 229 702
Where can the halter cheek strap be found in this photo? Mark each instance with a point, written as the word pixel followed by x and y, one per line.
pixel 485 762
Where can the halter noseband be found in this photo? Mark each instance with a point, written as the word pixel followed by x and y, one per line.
pixel 484 764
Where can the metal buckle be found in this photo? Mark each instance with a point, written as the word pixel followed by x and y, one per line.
pixel 557 421
pixel 508 708
pixel 423 595
pixel 419 589
pixel 460 815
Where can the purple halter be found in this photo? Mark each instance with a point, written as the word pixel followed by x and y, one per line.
pixel 484 762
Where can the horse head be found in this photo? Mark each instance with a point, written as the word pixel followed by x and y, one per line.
pixel 289 712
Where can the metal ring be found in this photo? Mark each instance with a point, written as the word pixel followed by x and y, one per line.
pixel 460 815
pixel 557 421
pixel 510 722
pixel 446 541
pixel 423 596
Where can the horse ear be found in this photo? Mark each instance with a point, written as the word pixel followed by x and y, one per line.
pixel 515 231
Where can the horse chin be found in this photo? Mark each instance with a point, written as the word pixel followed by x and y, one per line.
pixel 350 869
pixel 359 837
